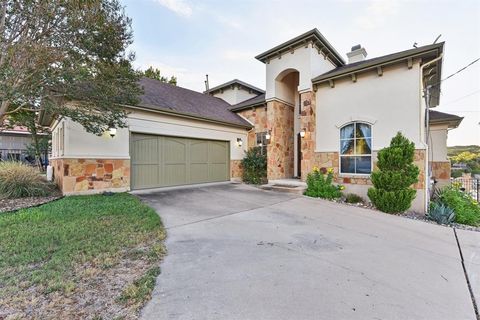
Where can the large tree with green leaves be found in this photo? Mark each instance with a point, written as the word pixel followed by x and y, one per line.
pixel 56 51
pixel 154 73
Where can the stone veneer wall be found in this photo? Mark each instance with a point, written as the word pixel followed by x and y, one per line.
pixel 257 116
pixel 280 150
pixel 331 160
pixel 76 176
pixel 307 122
pixel 236 169
pixel 441 171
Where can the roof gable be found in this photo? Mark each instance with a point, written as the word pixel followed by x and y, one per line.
pixel 235 82
pixel 315 37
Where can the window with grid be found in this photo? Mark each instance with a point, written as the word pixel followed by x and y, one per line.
pixel 262 141
pixel 356 148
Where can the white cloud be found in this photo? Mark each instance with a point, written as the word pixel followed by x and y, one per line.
pixel 377 13
pixel 180 7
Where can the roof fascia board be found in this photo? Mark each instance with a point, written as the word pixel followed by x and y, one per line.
pixel 368 67
pixel 145 107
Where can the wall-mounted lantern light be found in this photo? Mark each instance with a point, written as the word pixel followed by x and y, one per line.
pixel 239 142
pixel 112 132
pixel 302 133
pixel 268 135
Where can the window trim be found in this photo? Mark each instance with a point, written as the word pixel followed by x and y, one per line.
pixel 346 174
pixel 263 147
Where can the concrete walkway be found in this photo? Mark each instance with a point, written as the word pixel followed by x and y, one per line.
pixel 236 252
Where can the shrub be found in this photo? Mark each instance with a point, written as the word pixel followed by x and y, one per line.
pixel 440 213
pixel 319 185
pixel 19 180
pixel 254 166
pixel 456 173
pixel 353 198
pixel 396 172
pixel 467 210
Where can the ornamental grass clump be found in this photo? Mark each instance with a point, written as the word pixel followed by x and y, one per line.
pixel 396 172
pixel 254 166
pixel 319 185
pixel 18 180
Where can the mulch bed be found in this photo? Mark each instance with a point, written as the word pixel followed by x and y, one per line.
pixel 7 205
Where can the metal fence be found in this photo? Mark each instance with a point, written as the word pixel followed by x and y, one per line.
pixel 470 186
pixel 22 156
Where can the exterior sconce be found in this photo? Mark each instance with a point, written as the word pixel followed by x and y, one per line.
pixel 268 135
pixel 239 142
pixel 112 132
pixel 302 133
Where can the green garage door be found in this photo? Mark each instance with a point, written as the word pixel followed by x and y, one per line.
pixel 161 161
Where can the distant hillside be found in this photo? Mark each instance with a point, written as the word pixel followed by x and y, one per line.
pixel 453 151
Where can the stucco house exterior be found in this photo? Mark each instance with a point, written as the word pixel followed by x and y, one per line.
pixel 317 110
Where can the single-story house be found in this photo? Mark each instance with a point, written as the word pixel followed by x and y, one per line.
pixel 317 110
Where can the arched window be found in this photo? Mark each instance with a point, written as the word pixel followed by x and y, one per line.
pixel 356 148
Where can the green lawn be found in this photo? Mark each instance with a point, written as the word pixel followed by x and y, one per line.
pixel 53 250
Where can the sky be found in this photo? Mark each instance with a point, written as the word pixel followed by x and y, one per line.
pixel 189 39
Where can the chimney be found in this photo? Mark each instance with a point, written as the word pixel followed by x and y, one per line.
pixel 357 54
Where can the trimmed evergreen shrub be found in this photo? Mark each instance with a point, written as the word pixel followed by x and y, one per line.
pixel 396 172
pixel 254 166
pixel 319 185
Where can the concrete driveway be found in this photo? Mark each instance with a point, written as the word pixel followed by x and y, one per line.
pixel 236 252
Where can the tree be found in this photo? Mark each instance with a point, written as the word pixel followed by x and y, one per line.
pixel 56 51
pixel 396 172
pixel 154 73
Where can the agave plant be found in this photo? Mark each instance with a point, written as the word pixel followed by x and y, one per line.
pixel 440 213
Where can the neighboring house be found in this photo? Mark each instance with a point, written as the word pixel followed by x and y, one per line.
pixel 317 110
pixel 13 144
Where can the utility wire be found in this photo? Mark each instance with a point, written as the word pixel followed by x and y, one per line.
pixel 457 72
pixel 462 97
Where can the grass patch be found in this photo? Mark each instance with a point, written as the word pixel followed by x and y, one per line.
pixel 140 291
pixel 45 247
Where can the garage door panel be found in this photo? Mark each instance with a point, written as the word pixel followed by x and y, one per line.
pixel 217 152
pixel 175 174
pixel 145 176
pixel 145 151
pixel 159 161
pixel 175 150
pixel 198 151
pixel 217 172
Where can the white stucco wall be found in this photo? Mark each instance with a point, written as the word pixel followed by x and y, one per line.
pixel 390 103
pixel 307 61
pixel 81 144
pixel 235 95
pixel 438 142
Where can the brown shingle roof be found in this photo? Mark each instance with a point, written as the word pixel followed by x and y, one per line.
pixel 169 98
pixel 442 117
pixel 255 101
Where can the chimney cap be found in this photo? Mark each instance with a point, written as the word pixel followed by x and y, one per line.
pixel 358 46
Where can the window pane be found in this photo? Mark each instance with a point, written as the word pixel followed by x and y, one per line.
pixel 364 164
pixel 363 146
pixel 347 132
pixel 346 146
pixel 347 164
pixel 363 130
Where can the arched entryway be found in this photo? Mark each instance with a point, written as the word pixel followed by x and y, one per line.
pixel 281 117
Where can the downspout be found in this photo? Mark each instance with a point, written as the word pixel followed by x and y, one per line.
pixel 426 94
